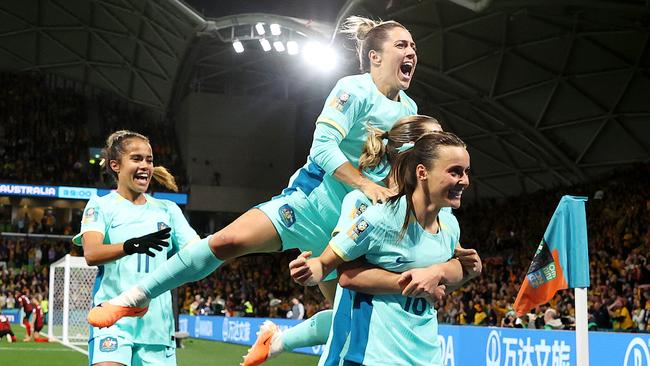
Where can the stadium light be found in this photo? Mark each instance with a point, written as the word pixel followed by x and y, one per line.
pixel 320 55
pixel 266 45
pixel 292 47
pixel 275 29
pixel 259 27
pixel 238 46
pixel 279 46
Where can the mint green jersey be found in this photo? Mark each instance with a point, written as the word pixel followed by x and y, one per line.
pixel 387 329
pixel 118 219
pixel 354 104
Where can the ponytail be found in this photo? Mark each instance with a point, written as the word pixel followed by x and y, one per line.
pixel 165 178
pixel 374 149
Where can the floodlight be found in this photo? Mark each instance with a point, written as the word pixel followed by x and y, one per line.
pixel 238 46
pixel 275 29
pixel 259 27
pixel 320 55
pixel 266 45
pixel 292 47
pixel 279 46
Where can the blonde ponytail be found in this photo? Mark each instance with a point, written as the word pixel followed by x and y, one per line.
pixel 165 178
pixel 374 149
pixel 357 28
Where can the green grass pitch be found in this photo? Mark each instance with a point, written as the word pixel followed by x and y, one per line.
pixel 195 353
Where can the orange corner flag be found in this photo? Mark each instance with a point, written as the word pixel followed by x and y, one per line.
pixel 561 260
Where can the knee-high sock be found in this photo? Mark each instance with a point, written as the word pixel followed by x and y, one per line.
pixel 28 327
pixel 311 332
pixel 192 263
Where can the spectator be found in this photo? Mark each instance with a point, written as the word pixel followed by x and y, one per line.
pixel 297 311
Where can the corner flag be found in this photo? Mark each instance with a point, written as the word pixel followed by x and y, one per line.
pixel 561 260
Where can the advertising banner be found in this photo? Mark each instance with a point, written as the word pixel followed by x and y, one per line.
pixel 465 345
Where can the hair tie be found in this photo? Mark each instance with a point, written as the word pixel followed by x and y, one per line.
pixel 384 136
pixel 405 147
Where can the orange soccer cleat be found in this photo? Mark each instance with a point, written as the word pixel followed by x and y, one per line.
pixel 261 350
pixel 106 314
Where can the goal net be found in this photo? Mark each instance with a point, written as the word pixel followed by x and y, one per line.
pixel 70 297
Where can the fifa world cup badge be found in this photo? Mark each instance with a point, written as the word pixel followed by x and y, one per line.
pixel 108 344
pixel 359 230
pixel 89 216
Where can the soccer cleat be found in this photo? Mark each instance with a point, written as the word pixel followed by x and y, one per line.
pixel 106 314
pixel 261 350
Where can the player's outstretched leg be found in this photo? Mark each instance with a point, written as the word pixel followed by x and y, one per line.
pixel 192 263
pixel 271 341
pixel 266 346
pixel 253 232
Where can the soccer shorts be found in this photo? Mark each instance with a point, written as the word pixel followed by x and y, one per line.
pixel 110 348
pixel 299 223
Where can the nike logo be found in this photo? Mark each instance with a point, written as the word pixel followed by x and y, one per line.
pixel 402 261
pixel 113 226
pixel 136 245
pixel 266 341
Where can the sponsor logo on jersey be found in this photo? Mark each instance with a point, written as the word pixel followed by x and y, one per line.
pixel 108 344
pixel 287 215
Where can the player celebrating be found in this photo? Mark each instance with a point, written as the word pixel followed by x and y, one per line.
pixel 409 232
pixel 307 211
pixel 377 156
pixel 122 233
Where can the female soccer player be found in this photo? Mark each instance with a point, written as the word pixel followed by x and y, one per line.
pixel 377 157
pixel 23 301
pixel 410 231
pixel 125 233
pixel 307 211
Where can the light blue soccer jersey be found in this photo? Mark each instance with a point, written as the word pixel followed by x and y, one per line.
pixel 354 103
pixel 118 219
pixel 387 329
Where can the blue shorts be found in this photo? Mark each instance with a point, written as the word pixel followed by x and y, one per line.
pixel 115 348
pixel 299 223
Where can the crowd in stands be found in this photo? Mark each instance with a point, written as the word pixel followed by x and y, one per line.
pixel 48 125
pixel 47 224
pixel 262 280
pixel 507 233
pixel 24 266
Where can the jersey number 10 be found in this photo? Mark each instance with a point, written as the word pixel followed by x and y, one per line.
pixel 416 305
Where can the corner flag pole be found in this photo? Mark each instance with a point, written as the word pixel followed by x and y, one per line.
pixel 582 333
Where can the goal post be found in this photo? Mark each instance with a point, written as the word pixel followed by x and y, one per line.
pixel 70 299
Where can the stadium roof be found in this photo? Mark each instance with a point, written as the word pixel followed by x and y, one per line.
pixel 544 92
